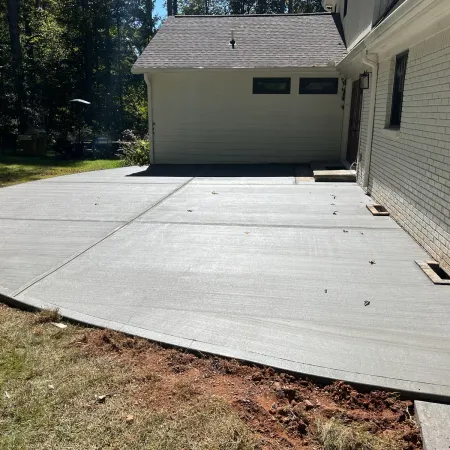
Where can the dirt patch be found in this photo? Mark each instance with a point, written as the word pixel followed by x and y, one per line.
pixel 282 409
pixel 82 388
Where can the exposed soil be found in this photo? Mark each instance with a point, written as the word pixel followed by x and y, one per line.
pixel 282 409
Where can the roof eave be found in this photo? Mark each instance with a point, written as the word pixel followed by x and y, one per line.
pixel 146 69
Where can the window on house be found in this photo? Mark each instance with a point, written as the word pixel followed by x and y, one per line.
pixel 318 86
pixel 345 7
pixel 271 85
pixel 399 86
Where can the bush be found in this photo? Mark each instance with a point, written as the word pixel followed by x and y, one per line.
pixel 135 151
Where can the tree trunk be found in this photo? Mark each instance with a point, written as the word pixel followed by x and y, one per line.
pixel 169 8
pixel 282 6
pixel 290 6
pixel 13 7
pixel 119 66
pixel 88 48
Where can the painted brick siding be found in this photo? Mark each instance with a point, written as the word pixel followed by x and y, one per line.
pixel 410 169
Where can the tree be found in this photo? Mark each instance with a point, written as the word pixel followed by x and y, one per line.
pixel 52 51
pixel 16 58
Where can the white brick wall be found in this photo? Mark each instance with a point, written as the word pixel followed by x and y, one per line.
pixel 410 169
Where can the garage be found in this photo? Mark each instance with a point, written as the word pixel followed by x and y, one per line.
pixel 244 89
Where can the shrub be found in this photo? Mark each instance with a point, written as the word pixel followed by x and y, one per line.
pixel 135 151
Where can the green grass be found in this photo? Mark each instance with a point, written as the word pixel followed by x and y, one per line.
pixel 51 382
pixel 20 169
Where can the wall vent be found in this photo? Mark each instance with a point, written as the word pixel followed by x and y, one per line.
pixel 435 272
pixel 378 210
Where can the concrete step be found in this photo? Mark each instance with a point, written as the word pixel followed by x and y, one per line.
pixel 335 175
pixel 434 422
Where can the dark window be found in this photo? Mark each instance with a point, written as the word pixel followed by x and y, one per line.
pixel 399 86
pixel 345 7
pixel 318 86
pixel 271 85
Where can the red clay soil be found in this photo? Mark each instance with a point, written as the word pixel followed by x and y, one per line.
pixel 280 408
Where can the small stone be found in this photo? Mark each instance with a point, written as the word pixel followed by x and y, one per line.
pixel 256 377
pixel 129 418
pixel 50 386
pixel 101 398
pixel 308 405
pixel 302 427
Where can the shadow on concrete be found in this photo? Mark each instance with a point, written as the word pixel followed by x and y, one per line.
pixel 222 170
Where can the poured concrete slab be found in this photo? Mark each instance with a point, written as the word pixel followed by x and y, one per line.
pixel 127 175
pixel 434 423
pixel 303 205
pixel 263 272
pixel 275 295
pixel 31 248
pixel 48 200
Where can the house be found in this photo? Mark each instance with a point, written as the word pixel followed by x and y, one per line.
pixel 367 82
pixel 245 89
pixel 397 111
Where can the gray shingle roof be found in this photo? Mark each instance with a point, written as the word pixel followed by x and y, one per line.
pixel 309 40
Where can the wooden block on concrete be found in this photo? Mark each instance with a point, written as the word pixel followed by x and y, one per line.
pixel 348 176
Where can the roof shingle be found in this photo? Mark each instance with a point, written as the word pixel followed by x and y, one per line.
pixel 265 41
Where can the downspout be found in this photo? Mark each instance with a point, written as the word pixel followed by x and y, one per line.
pixel 151 125
pixel 372 61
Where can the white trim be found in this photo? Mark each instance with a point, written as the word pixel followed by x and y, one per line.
pixel 151 124
pixel 372 61
pixel 412 22
pixel 302 70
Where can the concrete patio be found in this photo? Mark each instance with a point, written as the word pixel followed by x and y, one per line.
pixel 255 264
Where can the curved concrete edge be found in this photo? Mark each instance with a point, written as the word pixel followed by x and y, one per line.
pixel 434 423
pixel 408 389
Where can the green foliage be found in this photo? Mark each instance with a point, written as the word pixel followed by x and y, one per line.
pixel 77 49
pixel 135 151
pixel 211 7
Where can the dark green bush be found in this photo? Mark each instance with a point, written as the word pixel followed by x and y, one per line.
pixel 135 151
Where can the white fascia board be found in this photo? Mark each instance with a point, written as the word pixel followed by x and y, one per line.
pixel 412 22
pixel 302 70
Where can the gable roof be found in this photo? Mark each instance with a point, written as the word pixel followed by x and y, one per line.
pixel 262 41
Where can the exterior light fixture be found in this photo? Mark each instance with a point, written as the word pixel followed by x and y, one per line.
pixel 364 80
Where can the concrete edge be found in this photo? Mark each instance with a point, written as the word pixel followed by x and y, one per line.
pixel 434 422
pixel 408 389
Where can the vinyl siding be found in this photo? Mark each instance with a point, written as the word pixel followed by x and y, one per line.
pixel 410 170
pixel 213 117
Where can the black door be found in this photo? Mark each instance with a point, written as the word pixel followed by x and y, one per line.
pixel 355 123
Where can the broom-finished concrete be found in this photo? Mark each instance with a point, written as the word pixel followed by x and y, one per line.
pixel 245 262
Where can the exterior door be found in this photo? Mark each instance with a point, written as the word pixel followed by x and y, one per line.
pixel 355 123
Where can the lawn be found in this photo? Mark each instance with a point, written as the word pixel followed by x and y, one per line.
pixel 73 387
pixel 20 169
